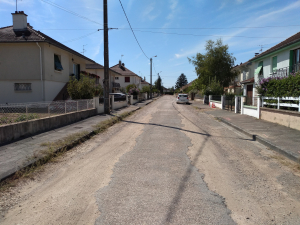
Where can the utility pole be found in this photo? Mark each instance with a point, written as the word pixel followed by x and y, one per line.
pixel 106 59
pixel 150 78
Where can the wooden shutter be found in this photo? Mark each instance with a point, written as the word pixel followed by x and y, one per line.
pixel 291 60
pixel 78 71
pixel 274 64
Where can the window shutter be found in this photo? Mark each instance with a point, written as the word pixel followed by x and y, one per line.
pixel 274 64
pixel 78 71
pixel 291 60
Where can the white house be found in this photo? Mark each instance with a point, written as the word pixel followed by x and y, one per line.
pixel 98 69
pixel 33 66
pixel 126 76
pixel 280 60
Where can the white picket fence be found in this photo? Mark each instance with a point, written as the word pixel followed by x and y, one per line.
pixel 282 104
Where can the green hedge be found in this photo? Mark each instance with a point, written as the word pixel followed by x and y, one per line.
pixel 280 86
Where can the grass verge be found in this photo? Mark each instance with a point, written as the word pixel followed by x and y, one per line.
pixel 286 162
pixel 55 149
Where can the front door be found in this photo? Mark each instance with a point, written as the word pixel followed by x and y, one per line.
pixel 249 94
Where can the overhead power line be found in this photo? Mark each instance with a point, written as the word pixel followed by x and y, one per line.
pixel 211 28
pixel 201 35
pixel 75 39
pixel 132 30
pixel 69 11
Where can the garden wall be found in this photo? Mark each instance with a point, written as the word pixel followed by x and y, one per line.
pixel 283 117
pixel 15 131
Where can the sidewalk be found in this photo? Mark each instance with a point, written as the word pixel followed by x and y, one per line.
pixel 277 137
pixel 15 156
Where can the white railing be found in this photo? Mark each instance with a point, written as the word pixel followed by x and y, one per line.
pixel 20 112
pixel 279 102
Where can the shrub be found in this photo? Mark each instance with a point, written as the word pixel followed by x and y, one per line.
pixel 134 91
pixel 25 117
pixel 288 86
pixel 85 88
pixel 130 86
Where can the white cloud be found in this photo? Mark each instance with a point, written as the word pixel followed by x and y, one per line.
pixel 149 12
pixel 289 7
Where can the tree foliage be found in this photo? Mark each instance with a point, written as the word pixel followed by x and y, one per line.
pixel 130 86
pixel 215 64
pixel 181 81
pixel 84 88
pixel 158 84
pixel 146 89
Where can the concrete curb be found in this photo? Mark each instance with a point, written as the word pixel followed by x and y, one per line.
pixel 262 141
pixel 67 147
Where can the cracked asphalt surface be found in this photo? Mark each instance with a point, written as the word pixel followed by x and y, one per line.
pixel 166 164
pixel 156 183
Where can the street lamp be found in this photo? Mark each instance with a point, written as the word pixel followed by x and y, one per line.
pixel 151 77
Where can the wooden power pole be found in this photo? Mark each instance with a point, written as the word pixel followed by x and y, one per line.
pixel 106 59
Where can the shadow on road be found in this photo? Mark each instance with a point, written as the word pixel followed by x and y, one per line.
pixel 177 128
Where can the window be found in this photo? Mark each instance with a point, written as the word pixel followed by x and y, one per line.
pixel 259 70
pixel 57 63
pixel 22 86
pixel 127 79
pixel 274 64
pixel 116 78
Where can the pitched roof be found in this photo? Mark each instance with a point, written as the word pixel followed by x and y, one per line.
pixel 123 70
pixel 291 40
pixel 144 82
pixel 94 66
pixel 97 66
pixel 8 35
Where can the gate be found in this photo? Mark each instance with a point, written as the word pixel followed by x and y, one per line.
pixel 229 103
pixel 238 104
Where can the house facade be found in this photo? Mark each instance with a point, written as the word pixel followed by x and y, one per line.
pixel 33 66
pixel 126 76
pixel 98 69
pixel 279 61
pixel 243 84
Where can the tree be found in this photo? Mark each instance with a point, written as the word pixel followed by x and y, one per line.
pixel 181 81
pixel 85 88
pixel 215 64
pixel 158 84
pixel 146 89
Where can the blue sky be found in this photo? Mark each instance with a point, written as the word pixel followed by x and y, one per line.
pixel 162 17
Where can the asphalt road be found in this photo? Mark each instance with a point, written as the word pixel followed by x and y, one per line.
pixel 166 164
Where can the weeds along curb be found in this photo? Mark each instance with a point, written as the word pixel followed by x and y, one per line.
pixel 262 141
pixel 51 153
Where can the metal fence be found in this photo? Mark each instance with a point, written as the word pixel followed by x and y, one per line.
pixel 20 112
pixel 216 98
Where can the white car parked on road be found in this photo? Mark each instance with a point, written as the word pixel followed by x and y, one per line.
pixel 183 98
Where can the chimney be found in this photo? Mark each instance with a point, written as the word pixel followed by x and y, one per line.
pixel 120 63
pixel 123 64
pixel 256 54
pixel 19 21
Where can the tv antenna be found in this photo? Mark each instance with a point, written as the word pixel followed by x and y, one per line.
pixel 261 48
pixel 121 57
pixel 83 49
pixel 16 5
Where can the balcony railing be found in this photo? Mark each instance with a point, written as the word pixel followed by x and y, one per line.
pixel 115 85
pixel 285 71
